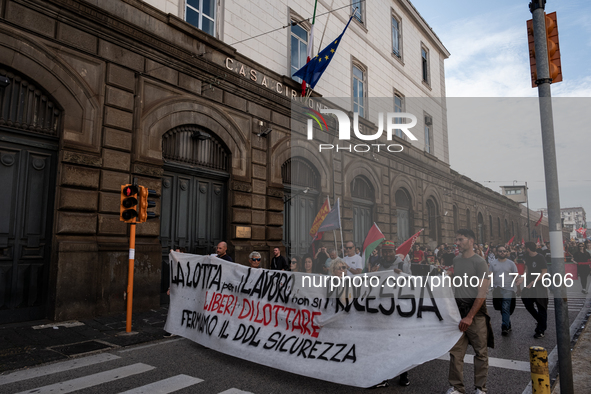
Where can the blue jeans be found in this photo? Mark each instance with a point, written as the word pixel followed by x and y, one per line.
pixel 506 308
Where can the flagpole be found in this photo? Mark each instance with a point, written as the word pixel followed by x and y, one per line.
pixel 341 230
pixel 334 235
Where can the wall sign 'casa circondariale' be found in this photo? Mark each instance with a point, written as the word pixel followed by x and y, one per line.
pixel 267 82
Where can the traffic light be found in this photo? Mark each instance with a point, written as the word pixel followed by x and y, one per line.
pixel 145 204
pixel 128 208
pixel 553 49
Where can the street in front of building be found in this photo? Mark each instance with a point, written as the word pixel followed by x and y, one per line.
pixel 179 365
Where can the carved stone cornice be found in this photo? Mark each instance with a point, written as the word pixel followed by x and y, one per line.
pixel 242 186
pixel 81 158
pixel 274 192
pixel 147 170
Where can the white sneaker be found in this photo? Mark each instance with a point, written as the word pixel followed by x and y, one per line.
pixel 452 390
pixel 478 391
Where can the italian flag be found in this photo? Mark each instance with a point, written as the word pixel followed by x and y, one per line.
pixel 373 239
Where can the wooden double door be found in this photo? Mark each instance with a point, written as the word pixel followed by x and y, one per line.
pixel 27 179
pixel 193 215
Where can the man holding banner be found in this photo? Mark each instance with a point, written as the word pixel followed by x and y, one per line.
pixel 475 323
pixel 387 262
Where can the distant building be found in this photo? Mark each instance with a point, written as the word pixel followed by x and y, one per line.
pixel 572 219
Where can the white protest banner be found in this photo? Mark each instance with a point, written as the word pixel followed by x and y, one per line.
pixel 292 321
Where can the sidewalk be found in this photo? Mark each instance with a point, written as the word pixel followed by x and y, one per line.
pixel 27 344
pixel 581 359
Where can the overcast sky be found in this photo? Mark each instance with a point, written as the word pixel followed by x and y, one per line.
pixel 500 139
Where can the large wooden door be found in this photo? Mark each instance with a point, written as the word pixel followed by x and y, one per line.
pixel 193 215
pixel 27 176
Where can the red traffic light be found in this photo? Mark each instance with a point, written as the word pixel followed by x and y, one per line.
pixel 129 202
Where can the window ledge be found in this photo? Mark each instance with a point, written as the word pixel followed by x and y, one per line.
pixel 399 58
pixel 426 84
pixel 360 24
pixel 430 155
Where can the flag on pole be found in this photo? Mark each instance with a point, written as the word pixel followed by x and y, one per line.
pixel 310 47
pixel 405 248
pixel 373 239
pixel 540 219
pixel 582 231
pixel 538 242
pixel 332 221
pixel 324 210
pixel 522 242
pixel 511 240
pixel 313 70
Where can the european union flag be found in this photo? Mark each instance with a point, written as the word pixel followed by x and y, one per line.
pixel 313 70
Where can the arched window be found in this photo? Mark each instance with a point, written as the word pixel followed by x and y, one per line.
pixel 363 196
pixel 432 220
pixel 26 106
pixel 480 228
pixel 490 227
pixel 301 183
pixel 195 146
pixel 499 227
pixel 468 220
pixel 507 235
pixel 403 215
pixel 456 219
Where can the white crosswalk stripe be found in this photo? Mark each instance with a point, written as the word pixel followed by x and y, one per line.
pixel 55 368
pixel 166 386
pixel 235 391
pixel 574 304
pixel 163 386
pixel 84 382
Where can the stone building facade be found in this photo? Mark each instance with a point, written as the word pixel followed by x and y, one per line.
pixel 100 92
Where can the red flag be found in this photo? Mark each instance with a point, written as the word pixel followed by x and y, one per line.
pixel 373 239
pixel 522 242
pixel 324 210
pixel 582 231
pixel 538 242
pixel 540 219
pixel 404 248
pixel 511 240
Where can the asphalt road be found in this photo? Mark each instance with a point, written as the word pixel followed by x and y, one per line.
pixel 183 366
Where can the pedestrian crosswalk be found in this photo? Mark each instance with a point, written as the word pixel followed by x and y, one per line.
pixel 574 304
pixel 95 380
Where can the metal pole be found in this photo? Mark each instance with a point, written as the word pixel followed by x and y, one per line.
pixel 130 277
pixel 552 195
pixel 528 223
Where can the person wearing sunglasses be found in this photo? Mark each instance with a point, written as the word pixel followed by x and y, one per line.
pixel 294 265
pixel 504 293
pixel 254 260
pixel 337 267
pixel 353 261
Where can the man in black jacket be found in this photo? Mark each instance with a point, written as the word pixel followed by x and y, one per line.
pixel 278 262
pixel 534 292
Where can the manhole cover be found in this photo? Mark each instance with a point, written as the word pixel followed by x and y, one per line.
pixel 82 347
